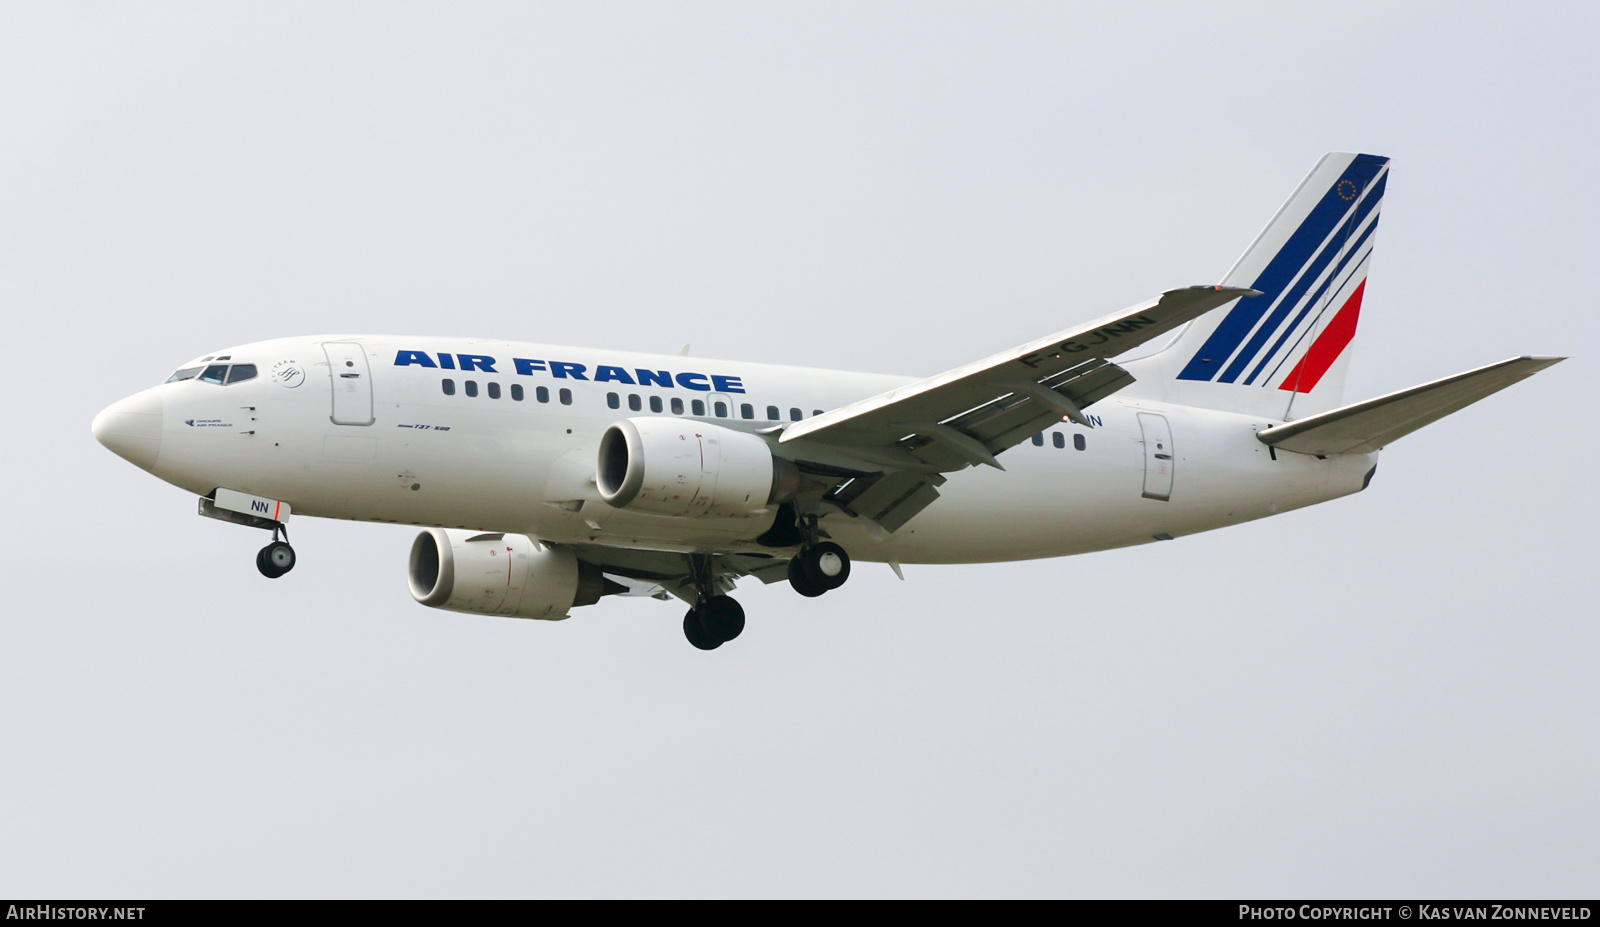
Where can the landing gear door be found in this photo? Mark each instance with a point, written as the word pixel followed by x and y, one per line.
pixel 1158 457
pixel 352 383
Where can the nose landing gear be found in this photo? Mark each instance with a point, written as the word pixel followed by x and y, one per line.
pixel 239 508
pixel 276 558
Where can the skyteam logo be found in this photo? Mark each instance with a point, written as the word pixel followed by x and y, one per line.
pixel 288 374
pixel 567 370
pixel 1311 291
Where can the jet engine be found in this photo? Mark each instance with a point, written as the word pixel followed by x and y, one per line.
pixel 501 574
pixel 674 466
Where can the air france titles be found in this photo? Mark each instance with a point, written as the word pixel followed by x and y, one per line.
pixel 566 370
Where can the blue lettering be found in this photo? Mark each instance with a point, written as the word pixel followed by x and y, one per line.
pixel 407 358
pixel 561 370
pixel 604 374
pixel 653 377
pixel 447 362
pixel 727 384
pixel 476 362
pixel 258 505
pixel 525 366
pixel 686 380
pixel 1095 421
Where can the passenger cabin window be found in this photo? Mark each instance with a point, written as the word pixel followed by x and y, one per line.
pixel 794 415
pixel 449 387
pixel 494 391
pixel 472 387
pixel 772 413
pixel 697 407
pixel 187 373
pixel 1079 442
pixel 655 403
pixel 542 394
pixel 677 406
pixel 613 401
pixel 1058 439
pixel 1038 440
pixel 566 397
pixel 721 408
pixel 516 392
pixel 242 372
pixel 634 403
pixel 816 411
pixel 216 373
pixel 747 410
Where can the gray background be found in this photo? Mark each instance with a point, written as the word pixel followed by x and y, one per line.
pixel 1392 694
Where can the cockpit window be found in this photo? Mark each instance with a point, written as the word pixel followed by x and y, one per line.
pixel 216 373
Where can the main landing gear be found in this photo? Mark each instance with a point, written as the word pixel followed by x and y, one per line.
pixel 820 565
pixel 276 558
pixel 715 619
pixel 713 622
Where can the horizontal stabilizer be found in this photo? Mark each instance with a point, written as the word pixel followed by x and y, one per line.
pixel 1368 426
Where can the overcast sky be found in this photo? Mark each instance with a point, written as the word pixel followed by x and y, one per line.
pixel 1392 694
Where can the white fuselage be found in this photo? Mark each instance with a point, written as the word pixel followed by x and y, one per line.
pixel 413 454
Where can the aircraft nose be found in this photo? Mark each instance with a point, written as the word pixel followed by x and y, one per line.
pixel 131 428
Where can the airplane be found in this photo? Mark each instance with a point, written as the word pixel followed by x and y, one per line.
pixel 546 477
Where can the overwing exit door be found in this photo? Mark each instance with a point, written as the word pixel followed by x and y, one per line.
pixel 352 383
pixel 1158 457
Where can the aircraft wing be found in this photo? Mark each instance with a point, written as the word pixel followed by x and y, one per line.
pixel 968 415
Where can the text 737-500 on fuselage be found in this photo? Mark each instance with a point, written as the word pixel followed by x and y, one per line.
pixel 546 477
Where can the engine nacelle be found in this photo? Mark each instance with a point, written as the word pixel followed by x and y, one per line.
pixel 499 574
pixel 675 466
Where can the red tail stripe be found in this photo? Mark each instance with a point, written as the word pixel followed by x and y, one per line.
pixel 1328 346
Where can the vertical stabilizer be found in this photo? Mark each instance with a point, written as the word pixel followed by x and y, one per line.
pixel 1283 354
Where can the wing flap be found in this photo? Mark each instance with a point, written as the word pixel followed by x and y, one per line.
pixel 1368 426
pixel 890 500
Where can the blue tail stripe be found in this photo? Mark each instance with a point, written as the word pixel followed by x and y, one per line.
pixel 1307 275
pixel 1284 265
pixel 1309 330
pixel 1336 281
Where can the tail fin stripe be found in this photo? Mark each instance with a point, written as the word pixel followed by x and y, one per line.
pixel 1357 273
pixel 1308 240
pixel 1331 287
pixel 1247 312
pixel 1328 346
pixel 1308 273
